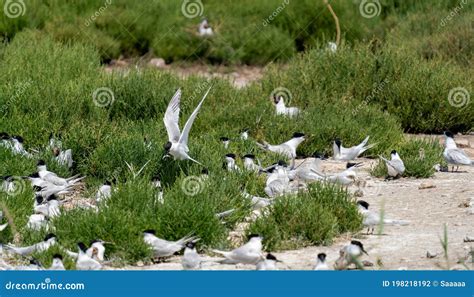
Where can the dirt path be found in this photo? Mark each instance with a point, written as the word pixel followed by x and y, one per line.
pixel 400 247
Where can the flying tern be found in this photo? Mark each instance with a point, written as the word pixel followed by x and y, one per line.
pixel 177 145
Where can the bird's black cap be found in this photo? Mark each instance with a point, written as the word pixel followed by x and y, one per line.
pixel 393 152
pixel 205 171
pixel 350 164
pixel 4 135
pixel 19 138
pixel 363 203
pixel 82 246
pixel 37 188
pixel 244 130
pixel 223 138
pixel 41 163
pixel 39 199
pixel 150 231
pixel 230 156
pixel 448 134
pixel 271 257
pixel 322 256
pixel 49 236
pixel 249 156
pixel 190 245
pixel 298 134
pixel 34 175
pixel 253 235
pixel 167 146
pixel 338 142
pixel 57 256
pixel 359 244
pixel 35 262
pixel 107 183
pixel 282 163
pixel 52 197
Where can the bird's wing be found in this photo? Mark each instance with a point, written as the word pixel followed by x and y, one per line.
pixel 459 156
pixel 187 127
pixel 397 164
pixel 171 118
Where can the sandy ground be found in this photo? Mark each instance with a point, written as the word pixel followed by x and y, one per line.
pixel 399 247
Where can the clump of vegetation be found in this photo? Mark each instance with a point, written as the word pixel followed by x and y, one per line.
pixel 311 218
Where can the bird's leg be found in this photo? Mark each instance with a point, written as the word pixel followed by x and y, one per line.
pixel 457 167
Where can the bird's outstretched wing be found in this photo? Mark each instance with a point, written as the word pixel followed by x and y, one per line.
pixel 185 135
pixel 171 118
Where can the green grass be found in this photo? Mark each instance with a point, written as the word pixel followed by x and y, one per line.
pixel 48 86
pixel 311 218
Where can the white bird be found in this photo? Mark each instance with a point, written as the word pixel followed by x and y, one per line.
pixel 249 253
pixel 63 157
pixel 53 178
pixel 309 170
pixel 332 47
pixel 84 261
pixel 48 208
pixel 287 149
pixel 225 141
pixel 177 144
pixel 157 185
pixel 17 146
pixel 191 259
pixel 281 109
pixel 249 163
pixel 57 263
pixel 104 192
pixel 278 181
pixel 372 219
pixel 257 202
pixel 55 142
pixel 347 177
pixel 350 254
pixel 97 250
pixel 164 248
pixel 36 222
pixel 3 226
pixel 321 262
pixel 346 154
pixel 454 155
pixel 269 263
pixel 230 164
pixel 51 190
pixel 395 166
pixel 205 29
pixel 244 134
pixel 42 246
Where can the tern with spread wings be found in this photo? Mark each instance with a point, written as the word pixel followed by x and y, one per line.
pixel 177 145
